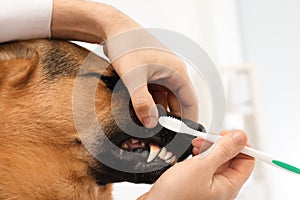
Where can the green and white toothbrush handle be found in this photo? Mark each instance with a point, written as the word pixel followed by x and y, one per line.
pixel 252 152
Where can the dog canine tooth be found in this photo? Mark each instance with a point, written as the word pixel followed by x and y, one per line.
pixel 168 155
pixel 154 150
pixel 162 153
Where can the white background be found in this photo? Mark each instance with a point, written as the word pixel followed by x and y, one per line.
pixel 264 32
pixel 271 39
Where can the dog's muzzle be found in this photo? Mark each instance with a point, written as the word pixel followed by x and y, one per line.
pixel 140 159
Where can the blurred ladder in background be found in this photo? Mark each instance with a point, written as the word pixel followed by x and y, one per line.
pixel 243 112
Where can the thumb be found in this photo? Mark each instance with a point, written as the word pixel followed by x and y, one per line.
pixel 226 148
pixel 144 106
pixel 135 80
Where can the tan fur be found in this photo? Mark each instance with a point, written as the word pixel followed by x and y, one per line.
pixel 38 156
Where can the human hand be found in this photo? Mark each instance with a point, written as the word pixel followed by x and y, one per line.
pixel 218 175
pixel 169 86
pixel 139 59
pixel 96 22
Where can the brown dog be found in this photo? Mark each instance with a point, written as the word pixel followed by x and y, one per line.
pixel 42 154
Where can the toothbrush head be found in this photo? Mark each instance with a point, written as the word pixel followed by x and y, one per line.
pixel 179 126
pixel 170 123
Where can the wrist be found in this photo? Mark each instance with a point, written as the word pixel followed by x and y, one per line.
pixel 70 20
pixel 88 21
pixel 77 20
pixel 113 22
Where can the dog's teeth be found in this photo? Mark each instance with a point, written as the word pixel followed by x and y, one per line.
pixel 168 155
pixel 154 150
pixel 121 152
pixel 134 141
pixel 173 160
pixel 168 161
pixel 162 153
pixel 124 146
pixel 143 144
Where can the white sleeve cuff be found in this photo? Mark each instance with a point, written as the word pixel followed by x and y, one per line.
pixel 25 19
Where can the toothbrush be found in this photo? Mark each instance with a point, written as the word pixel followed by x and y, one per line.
pixel 180 127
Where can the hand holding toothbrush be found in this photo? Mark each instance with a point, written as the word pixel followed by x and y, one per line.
pixel 218 175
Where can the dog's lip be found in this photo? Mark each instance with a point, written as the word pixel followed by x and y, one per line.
pixel 154 144
pixel 154 150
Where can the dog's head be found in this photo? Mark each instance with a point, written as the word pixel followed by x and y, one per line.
pixel 64 112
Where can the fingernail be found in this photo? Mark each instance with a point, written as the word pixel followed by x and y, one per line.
pixel 150 122
pixel 239 138
pixel 152 119
pixel 153 112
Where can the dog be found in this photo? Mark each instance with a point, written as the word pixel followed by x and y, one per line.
pixel 52 147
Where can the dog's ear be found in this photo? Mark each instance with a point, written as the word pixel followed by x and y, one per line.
pixel 17 64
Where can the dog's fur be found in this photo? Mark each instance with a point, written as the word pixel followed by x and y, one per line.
pixel 42 155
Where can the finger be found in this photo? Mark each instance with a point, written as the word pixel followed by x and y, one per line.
pixel 227 165
pixel 189 102
pixel 197 142
pixel 239 169
pixel 226 148
pixel 144 107
pixel 243 163
pixel 173 104
pixel 224 132
pixel 200 145
pixel 236 171
pixel 159 94
pixel 181 86
pixel 135 80
pixel 160 98
pixel 195 151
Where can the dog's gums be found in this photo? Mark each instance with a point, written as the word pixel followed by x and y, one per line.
pixel 142 160
pixel 154 150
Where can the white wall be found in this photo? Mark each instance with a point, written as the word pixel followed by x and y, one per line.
pixel 271 38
